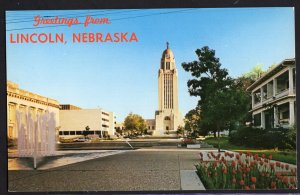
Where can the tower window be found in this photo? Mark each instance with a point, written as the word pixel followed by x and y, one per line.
pixel 168 65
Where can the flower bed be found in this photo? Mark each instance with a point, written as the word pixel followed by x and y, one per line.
pixel 244 171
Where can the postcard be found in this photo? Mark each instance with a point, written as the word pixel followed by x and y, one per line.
pixel 151 100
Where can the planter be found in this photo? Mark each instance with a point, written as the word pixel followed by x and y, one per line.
pixel 193 146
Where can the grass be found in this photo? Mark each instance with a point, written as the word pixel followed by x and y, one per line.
pixel 283 156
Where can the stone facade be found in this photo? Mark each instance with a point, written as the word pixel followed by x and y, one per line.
pixel 25 102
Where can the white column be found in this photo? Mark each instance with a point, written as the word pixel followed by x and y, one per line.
pixel 15 132
pixel 292 113
pixel 274 87
pixel 261 95
pixel 275 116
pixel 291 84
pixel 263 124
pixel 252 95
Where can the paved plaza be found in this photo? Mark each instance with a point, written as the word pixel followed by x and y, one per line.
pixel 130 170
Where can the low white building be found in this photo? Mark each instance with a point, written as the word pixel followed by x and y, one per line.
pixel 73 122
pixel 274 97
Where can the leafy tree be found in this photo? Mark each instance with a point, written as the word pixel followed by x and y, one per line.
pixel 134 123
pixel 180 130
pixel 255 73
pixel 86 131
pixel 222 101
pixel 191 122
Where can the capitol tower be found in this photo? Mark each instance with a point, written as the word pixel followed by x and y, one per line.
pixel 167 117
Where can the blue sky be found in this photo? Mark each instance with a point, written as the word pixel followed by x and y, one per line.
pixel 122 77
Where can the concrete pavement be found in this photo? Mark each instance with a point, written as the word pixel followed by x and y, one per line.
pixel 137 170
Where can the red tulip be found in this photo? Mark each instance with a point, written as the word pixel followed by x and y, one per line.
pixel 247 188
pixel 285 180
pixel 233 163
pixel 277 164
pixel 282 166
pixel 237 156
pixel 272 165
pixel 253 186
pixel 224 170
pixel 263 155
pixel 270 157
pixel 278 174
pixel 273 185
pixel 233 171
pixel 248 169
pixel 286 166
pixel 253 179
pixel 292 180
pixel 242 182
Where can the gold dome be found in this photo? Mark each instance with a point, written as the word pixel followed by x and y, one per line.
pixel 167 53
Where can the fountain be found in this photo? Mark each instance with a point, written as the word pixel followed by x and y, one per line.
pixel 36 137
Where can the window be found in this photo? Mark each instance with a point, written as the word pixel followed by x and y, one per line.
pixel 104 113
pixel 72 132
pixel 168 65
pixel 66 133
pixel 257 96
pixel 60 133
pixel 78 132
pixel 283 82
pixel 167 118
pixel 257 119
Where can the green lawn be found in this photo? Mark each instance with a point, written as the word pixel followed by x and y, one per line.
pixel 283 156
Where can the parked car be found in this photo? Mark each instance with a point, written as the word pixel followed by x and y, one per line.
pixel 80 139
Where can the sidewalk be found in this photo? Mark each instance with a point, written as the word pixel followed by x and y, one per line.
pixel 138 170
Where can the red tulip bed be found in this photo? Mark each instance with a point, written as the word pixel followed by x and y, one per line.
pixel 244 171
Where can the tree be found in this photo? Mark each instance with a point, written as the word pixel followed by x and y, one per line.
pixel 191 122
pixel 134 123
pixel 86 131
pixel 221 100
pixel 255 73
pixel 180 131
